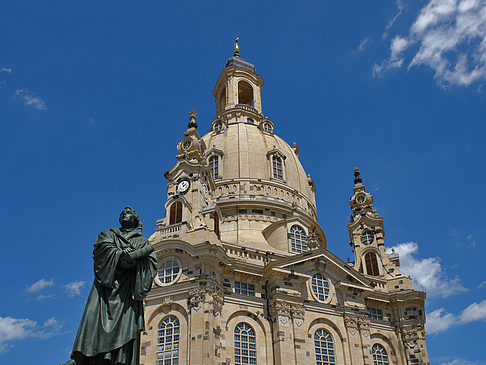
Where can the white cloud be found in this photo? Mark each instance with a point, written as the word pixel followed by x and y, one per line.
pixel 475 312
pixel 394 19
pixel 29 100
pixel 427 273
pixel 74 288
pixel 39 285
pixel 483 284
pixel 21 328
pixel 362 45
pixel 7 70
pixel 449 36
pixel 459 362
pixel 439 320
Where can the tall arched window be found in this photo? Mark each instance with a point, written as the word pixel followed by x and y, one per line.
pixel 214 166
pixel 277 167
pixel 371 263
pixel 245 344
pixel 245 93
pixel 380 357
pixel 168 341
pixel 298 239
pixel 324 347
pixel 175 213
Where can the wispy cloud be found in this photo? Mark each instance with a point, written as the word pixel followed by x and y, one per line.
pixel 74 288
pixel 427 273
pixel 39 285
pixel 394 19
pixel 7 70
pixel 362 45
pixel 21 328
pixel 30 100
pixel 460 362
pixel 440 320
pixel 449 36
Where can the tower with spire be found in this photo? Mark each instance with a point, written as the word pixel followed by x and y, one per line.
pixel 245 275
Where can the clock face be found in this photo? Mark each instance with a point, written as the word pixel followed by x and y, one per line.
pixel 360 199
pixel 205 191
pixel 183 186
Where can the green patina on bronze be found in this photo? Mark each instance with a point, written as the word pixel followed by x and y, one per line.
pixel 124 267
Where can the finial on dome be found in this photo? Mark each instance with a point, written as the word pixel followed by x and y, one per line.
pixel 192 119
pixel 357 179
pixel 237 48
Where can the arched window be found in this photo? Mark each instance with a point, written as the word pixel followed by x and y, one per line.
pixel 245 344
pixel 245 93
pixel 214 166
pixel 168 341
pixel 380 356
pixel 277 167
pixel 298 239
pixel 175 213
pixel 324 348
pixel 371 263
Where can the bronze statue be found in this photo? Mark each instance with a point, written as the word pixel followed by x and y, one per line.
pixel 124 267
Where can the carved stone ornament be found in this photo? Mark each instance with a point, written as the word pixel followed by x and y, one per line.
pixel 281 311
pixel 364 326
pixel 411 335
pixel 196 298
pixel 351 324
pixel 312 241
pixel 355 323
pixel 212 295
pixel 298 314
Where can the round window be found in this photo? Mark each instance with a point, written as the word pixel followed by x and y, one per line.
pixel 218 127
pixel 320 287
pixel 367 238
pixel 169 271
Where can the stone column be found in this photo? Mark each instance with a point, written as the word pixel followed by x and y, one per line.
pixel 364 331
pixel 354 339
pixel 283 346
pixel 205 304
pixel 297 312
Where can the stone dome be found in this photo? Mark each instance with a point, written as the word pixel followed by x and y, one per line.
pixel 246 153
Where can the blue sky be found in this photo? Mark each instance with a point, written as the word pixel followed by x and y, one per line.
pixel 94 97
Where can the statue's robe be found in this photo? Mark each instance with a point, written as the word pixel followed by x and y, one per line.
pixel 113 318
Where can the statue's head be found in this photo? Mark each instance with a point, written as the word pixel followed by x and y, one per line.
pixel 129 218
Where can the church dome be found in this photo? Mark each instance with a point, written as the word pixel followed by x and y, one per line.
pixel 247 152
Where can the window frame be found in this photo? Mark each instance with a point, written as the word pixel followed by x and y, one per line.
pixel 374 270
pixel 318 348
pixel 175 277
pixel 248 290
pixel 239 348
pixel 175 331
pixel 214 166
pixel 384 358
pixel 302 238
pixel 329 287
pixel 176 210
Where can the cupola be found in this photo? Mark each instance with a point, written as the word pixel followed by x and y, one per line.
pixel 239 86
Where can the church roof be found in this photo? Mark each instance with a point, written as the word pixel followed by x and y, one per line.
pixel 237 61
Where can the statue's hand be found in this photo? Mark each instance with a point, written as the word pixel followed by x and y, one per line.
pixel 126 253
